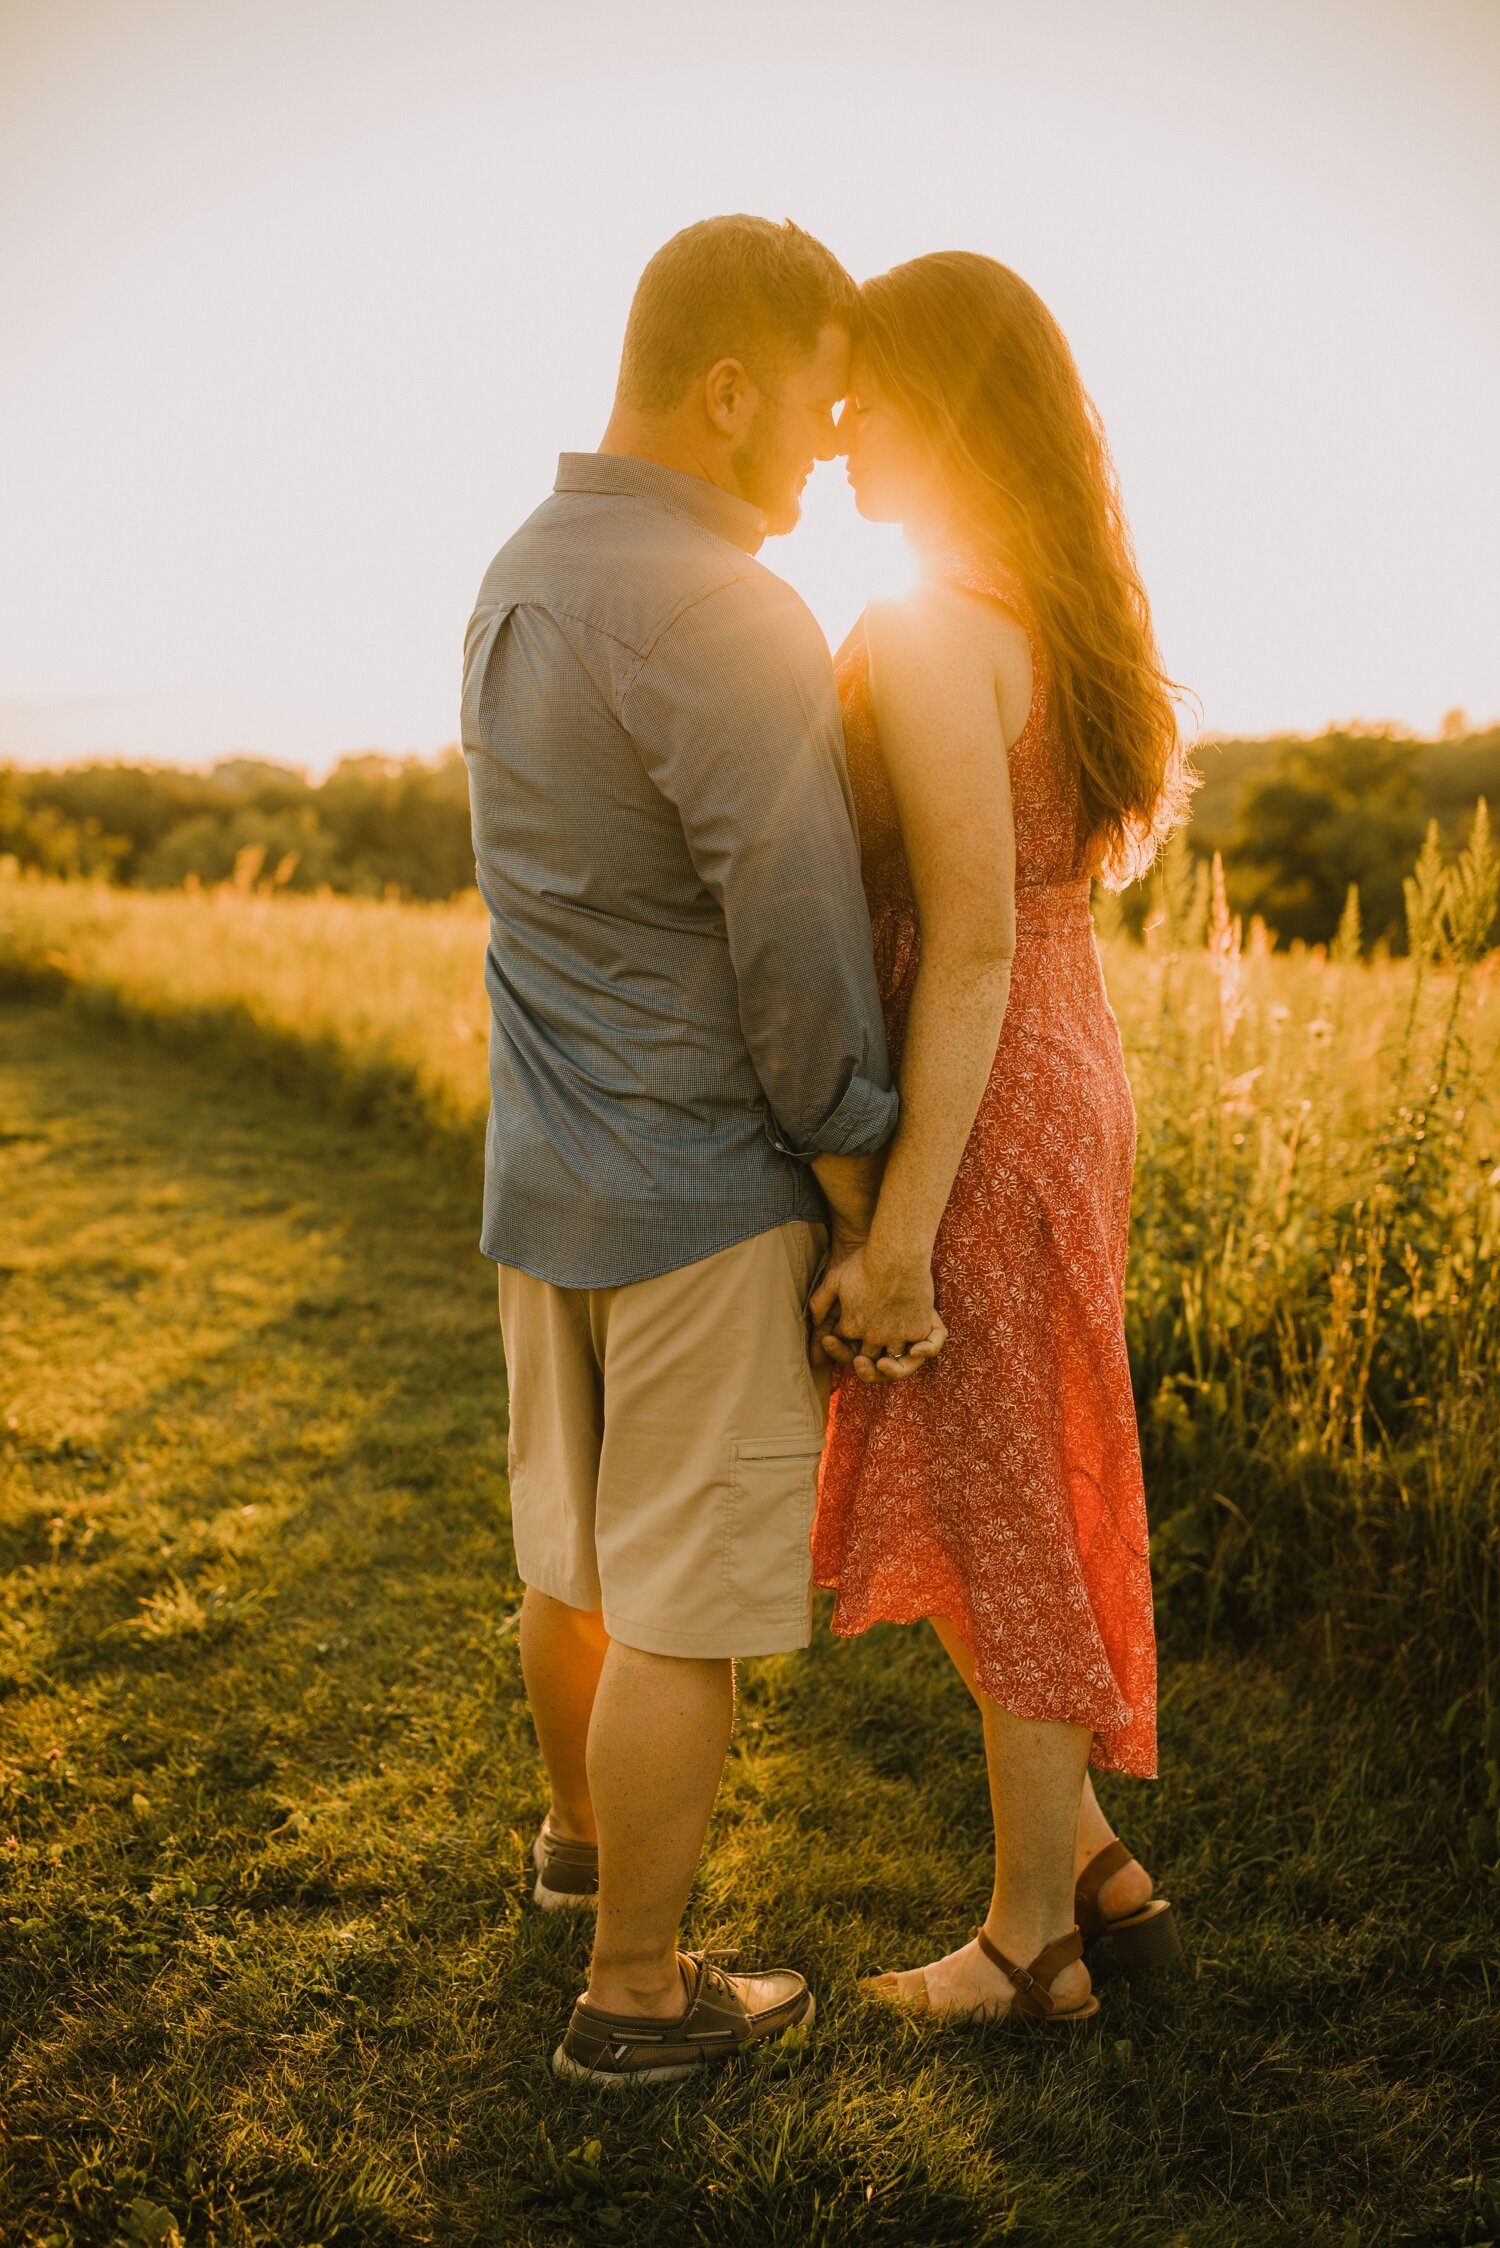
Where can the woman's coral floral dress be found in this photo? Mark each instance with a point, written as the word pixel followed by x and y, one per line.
pixel 1001 1487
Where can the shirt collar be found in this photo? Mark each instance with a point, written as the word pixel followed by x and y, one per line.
pixel 626 476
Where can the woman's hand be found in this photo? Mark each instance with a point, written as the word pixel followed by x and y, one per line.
pixel 877 1315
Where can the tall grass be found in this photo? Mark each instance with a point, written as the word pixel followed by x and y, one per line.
pixel 1314 1300
pixel 1314 1292
pixel 378 1004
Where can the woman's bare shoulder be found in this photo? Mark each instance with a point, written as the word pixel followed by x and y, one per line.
pixel 942 633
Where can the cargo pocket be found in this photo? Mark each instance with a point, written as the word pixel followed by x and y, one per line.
pixel 773 1488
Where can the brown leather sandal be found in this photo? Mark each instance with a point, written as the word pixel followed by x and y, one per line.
pixel 1142 1940
pixel 1033 2006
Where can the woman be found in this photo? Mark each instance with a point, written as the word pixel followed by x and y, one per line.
pixel 1011 736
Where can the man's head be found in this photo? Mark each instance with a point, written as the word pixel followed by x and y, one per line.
pixel 737 354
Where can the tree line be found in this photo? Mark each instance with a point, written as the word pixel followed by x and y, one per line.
pixel 375 826
pixel 1297 819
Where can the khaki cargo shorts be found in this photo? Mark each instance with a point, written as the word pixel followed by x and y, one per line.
pixel 664 1443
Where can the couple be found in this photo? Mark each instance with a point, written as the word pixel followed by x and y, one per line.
pixel 727 917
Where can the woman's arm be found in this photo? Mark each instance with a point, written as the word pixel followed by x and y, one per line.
pixel 939 667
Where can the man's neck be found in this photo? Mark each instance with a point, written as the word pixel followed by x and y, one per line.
pixel 644 437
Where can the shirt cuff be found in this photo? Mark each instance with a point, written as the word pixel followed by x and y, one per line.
pixel 862 1124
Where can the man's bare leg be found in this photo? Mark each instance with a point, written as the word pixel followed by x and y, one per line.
pixel 562 1654
pixel 656 1749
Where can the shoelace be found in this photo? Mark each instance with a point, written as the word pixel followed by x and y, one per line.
pixel 717 1978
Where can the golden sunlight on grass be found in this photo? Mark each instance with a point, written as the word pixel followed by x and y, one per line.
pixel 267 1969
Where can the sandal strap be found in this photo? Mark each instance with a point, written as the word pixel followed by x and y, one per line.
pixel 1033 1984
pixel 1098 1871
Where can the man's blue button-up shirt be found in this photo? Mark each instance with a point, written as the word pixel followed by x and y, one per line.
pixel 683 1001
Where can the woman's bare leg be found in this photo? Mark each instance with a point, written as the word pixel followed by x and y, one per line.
pixel 1036 1774
pixel 1125 1891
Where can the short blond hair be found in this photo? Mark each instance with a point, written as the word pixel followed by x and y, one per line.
pixel 729 288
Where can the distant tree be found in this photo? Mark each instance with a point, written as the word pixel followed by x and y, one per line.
pixel 1344 808
pixel 41 836
pixel 208 844
pixel 1456 771
pixel 139 804
pixel 376 824
pixel 274 786
pixel 401 823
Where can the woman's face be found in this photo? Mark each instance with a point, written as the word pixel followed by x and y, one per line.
pixel 891 466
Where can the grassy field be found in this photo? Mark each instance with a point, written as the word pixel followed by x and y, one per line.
pixel 1314 1300
pixel 267 1972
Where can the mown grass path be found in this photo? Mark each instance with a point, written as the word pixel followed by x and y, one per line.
pixel 267 1971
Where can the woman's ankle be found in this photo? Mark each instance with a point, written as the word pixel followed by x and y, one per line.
pixel 1022 1937
pixel 1094 1834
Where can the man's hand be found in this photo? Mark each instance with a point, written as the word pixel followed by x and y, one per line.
pixel 877 1316
pixel 822 1304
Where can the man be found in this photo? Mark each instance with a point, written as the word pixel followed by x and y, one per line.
pixel 689 1074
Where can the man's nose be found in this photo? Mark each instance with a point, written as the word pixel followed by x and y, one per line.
pixel 843 431
pixel 828 439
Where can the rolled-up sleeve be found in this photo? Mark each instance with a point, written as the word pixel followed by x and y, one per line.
pixel 735 717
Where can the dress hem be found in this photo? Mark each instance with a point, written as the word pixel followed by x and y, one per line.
pixel 1100 1758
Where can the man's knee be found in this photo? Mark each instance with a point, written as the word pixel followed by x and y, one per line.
pixel 561 1616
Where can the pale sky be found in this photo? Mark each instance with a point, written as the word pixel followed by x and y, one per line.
pixel 300 299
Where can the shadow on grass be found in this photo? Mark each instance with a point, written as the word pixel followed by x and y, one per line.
pixel 364 1086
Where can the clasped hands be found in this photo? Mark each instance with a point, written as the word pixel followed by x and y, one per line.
pixel 876 1314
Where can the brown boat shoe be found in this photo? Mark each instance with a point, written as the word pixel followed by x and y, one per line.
pixel 722 2015
pixel 567 1873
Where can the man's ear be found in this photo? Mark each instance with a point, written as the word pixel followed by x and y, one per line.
pixel 730 397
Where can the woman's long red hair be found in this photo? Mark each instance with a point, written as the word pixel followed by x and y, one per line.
pixel 974 357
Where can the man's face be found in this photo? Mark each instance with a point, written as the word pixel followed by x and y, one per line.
pixel 793 427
